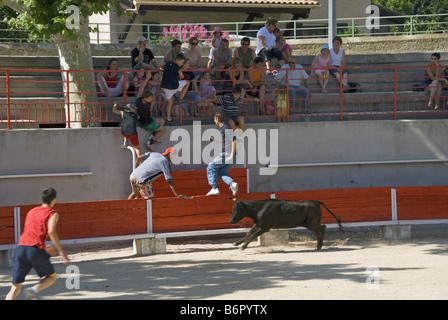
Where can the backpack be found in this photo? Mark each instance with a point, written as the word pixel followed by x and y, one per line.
pixel 354 87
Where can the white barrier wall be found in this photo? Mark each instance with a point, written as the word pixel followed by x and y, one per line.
pixel 87 164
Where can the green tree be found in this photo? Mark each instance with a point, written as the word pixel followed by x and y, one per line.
pixel 69 31
pixel 405 6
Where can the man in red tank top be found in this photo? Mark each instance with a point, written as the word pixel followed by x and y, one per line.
pixel 31 252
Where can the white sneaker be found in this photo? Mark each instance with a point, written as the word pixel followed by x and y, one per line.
pixel 213 192
pixel 234 188
pixel 30 294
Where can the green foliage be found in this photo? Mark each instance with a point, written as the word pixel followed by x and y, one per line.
pixel 404 6
pixel 45 18
pixel 6 13
pixel 350 31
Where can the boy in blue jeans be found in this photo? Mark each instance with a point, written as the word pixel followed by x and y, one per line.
pixel 225 160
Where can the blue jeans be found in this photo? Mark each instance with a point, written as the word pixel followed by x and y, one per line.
pixel 219 168
pixel 301 91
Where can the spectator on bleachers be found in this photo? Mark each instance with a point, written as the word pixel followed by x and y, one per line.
pixel 322 61
pixel 154 87
pixel 245 53
pixel 216 42
pixel 281 102
pixel 338 60
pixel 266 41
pixel 207 91
pixel 176 48
pixel 435 81
pixel 222 59
pixel 285 48
pixel 142 56
pixel 190 107
pixel 111 82
pixel 296 76
pixel 256 76
pixel 194 55
pixel 139 80
pixel 235 76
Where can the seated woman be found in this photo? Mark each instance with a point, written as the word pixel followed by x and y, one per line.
pixel 111 82
pixel 338 60
pixel 435 80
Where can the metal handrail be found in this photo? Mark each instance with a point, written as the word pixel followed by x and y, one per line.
pixel 347 26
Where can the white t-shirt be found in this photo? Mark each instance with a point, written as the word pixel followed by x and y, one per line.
pixel 336 59
pixel 295 76
pixel 269 39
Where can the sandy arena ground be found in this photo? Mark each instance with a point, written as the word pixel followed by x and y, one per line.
pixel 416 268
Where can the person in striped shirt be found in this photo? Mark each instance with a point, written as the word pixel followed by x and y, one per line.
pixel 231 106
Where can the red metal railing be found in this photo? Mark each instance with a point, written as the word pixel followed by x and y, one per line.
pixel 40 96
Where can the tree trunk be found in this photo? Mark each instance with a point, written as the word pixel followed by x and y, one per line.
pixel 81 99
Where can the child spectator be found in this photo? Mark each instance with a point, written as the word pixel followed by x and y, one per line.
pixel 176 48
pixel 216 42
pixel 171 83
pixel 282 102
pixel 129 127
pixel 285 48
pixel 256 76
pixel 321 62
pixel 139 80
pixel 207 91
pixel 154 87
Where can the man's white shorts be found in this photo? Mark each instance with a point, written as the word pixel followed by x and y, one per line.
pixel 169 93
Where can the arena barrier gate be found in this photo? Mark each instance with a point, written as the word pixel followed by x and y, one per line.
pixel 166 216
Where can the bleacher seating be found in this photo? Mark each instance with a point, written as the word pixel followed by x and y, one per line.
pixel 377 85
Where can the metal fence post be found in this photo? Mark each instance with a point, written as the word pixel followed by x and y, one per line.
pixel 8 100
pixel 67 83
pixel 395 93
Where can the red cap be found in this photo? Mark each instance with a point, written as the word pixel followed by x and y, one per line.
pixel 169 150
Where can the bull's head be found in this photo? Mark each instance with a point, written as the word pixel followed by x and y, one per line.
pixel 238 211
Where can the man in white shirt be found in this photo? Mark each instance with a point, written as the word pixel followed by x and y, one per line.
pixel 296 75
pixel 266 40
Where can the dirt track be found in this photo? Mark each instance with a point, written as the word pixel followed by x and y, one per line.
pixel 214 269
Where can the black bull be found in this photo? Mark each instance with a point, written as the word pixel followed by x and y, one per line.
pixel 278 214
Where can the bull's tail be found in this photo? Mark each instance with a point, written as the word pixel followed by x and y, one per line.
pixel 335 216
